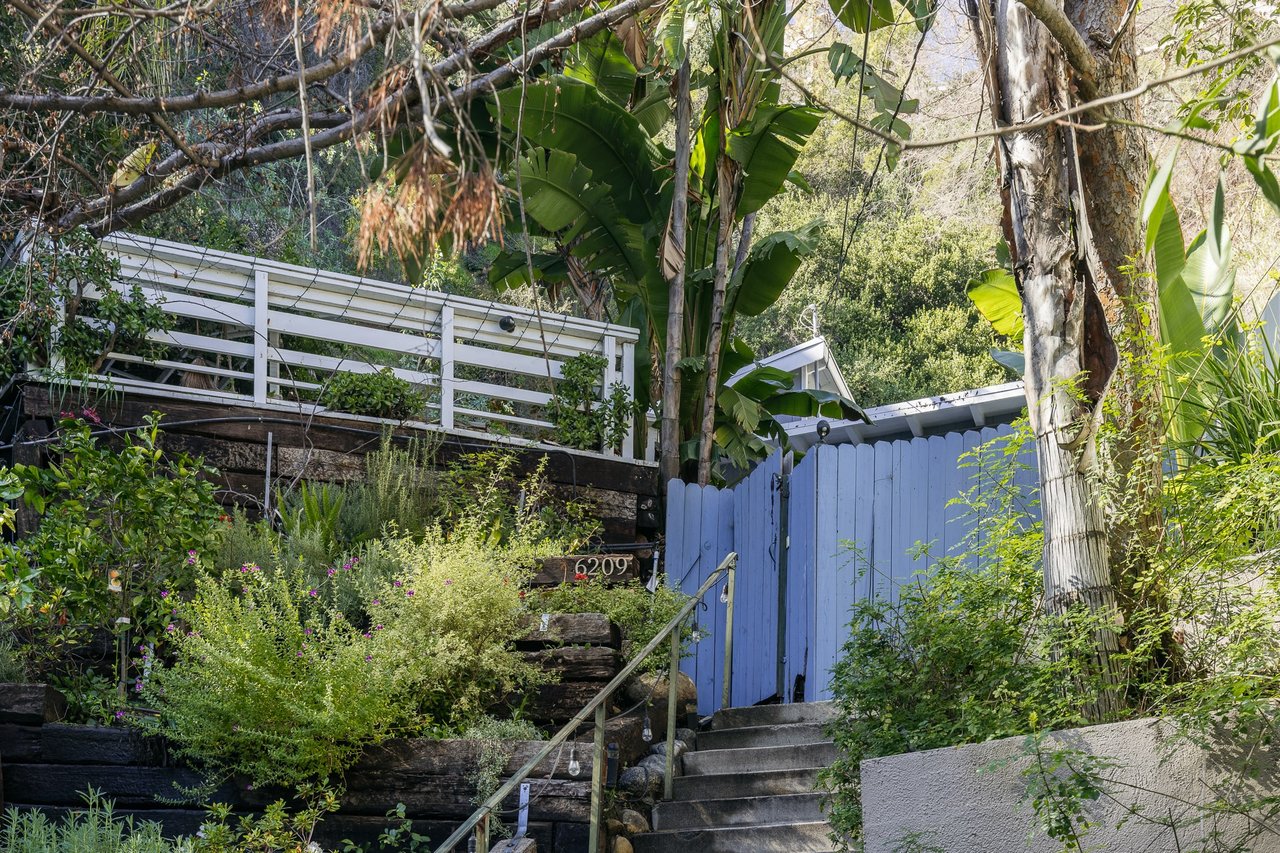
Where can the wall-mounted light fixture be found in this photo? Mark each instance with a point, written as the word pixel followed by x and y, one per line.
pixel 507 323
pixel 824 429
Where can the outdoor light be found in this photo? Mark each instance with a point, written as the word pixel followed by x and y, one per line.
pixel 824 429
pixel 575 768
pixel 507 323
pixel 646 733
pixel 724 594
pixel 611 765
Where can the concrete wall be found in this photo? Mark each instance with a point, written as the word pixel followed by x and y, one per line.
pixel 961 800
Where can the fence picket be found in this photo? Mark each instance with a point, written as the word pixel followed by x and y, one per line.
pixel 854 513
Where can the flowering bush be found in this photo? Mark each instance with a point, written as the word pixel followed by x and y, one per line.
pixel 454 611
pixel 272 681
pixel 270 684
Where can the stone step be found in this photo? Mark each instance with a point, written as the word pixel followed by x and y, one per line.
pixel 755 759
pixel 785 734
pixel 808 837
pixel 773 715
pixel 718 786
pixel 741 811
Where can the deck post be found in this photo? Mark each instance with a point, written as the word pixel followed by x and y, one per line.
pixel 446 366
pixel 629 379
pixel 610 344
pixel 261 333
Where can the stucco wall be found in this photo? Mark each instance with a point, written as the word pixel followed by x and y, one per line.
pixel 961 800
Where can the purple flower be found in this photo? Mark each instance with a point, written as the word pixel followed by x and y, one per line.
pixel 408 593
pixel 164 593
pixel 368 636
pixel 191 558
pixel 397 584
pixel 368 657
pixel 299 654
pixel 170 627
pixel 332 572
pixel 377 627
pixel 314 593
pixel 119 715
pixel 377 601
pixel 307 632
pixel 448 581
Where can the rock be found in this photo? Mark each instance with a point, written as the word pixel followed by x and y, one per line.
pixel 634 822
pixel 615 826
pixel 660 748
pixel 655 763
pixel 652 688
pixel 640 781
pixel 689 736
pixel 621 845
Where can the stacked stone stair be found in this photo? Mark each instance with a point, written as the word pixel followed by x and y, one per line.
pixel 750 786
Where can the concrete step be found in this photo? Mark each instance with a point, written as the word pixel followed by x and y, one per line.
pixel 809 837
pixel 718 786
pixel 742 811
pixel 755 759
pixel 773 715
pixel 784 734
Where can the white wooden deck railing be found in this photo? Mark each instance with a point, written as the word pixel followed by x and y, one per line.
pixel 255 332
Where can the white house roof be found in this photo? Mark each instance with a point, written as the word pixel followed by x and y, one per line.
pixel 962 410
pixel 811 361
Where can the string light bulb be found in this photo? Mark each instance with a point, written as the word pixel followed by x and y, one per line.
pixel 575 768
pixel 724 594
pixel 646 733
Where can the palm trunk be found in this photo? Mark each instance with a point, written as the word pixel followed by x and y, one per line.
pixel 669 463
pixel 715 336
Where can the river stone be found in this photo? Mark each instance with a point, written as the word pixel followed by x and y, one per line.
pixel 622 845
pixel 634 822
pixel 653 689
pixel 640 781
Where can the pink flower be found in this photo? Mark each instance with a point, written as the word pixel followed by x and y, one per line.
pixel 91 414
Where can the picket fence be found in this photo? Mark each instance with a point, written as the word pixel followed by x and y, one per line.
pixel 846 523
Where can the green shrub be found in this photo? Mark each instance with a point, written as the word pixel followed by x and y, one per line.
pixel 581 420
pixel 638 613
pixel 963 655
pixel 93 829
pixel 454 613
pixel 48 293
pixel 486 490
pixel 380 394
pixel 119 529
pixel 268 683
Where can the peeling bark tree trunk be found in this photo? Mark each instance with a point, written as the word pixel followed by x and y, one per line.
pixel 1037 56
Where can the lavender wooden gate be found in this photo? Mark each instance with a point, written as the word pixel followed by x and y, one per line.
pixel 848 529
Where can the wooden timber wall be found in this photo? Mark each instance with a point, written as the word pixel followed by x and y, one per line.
pixel 47 765
pixel 319 448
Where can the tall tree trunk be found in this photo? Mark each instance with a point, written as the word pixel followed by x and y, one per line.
pixel 1075 293
pixel 673 262
pixel 725 182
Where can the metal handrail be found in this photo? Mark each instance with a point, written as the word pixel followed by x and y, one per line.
pixel 479 818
